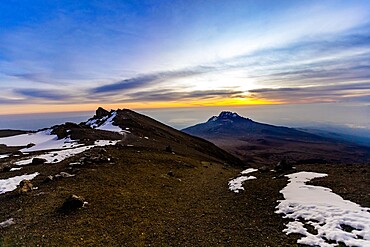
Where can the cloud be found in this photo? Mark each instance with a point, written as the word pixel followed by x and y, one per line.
pixel 355 92
pixel 53 95
pixel 170 95
pixel 149 79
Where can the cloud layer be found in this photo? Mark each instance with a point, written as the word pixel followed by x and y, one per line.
pixel 174 52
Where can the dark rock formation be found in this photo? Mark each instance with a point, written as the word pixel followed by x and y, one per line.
pixel 72 203
pixel 263 169
pixel 282 166
pixel 101 112
pixel 38 161
pixel 25 186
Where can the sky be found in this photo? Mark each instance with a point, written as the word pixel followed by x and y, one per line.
pixel 63 56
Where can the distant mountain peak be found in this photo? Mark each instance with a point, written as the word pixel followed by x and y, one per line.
pixel 227 115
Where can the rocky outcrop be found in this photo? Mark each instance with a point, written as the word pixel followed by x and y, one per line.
pixel 101 112
pixel 282 166
pixel 72 203
pixel 25 186
pixel 38 161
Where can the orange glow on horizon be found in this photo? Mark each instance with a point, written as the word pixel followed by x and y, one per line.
pixel 44 108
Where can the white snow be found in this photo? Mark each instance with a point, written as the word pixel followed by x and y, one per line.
pixel 236 184
pixel 7 223
pixel 15 169
pixel 93 123
pixel 10 184
pixel 60 155
pixel 249 170
pixel 43 140
pixel 325 211
pixel 4 156
pixel 108 124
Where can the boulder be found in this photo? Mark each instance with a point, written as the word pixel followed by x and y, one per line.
pixel 16 153
pixel 38 161
pixel 263 169
pixel 48 179
pixel 283 165
pixel 66 175
pixel 169 149
pixel 25 186
pixel 72 203
pixel 30 145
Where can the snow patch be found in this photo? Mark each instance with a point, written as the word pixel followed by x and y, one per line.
pixel 236 184
pixel 106 123
pixel 60 155
pixel 324 210
pixel 43 140
pixel 249 170
pixel 94 123
pixel 11 184
pixel 4 156
pixel 15 169
pixel 7 223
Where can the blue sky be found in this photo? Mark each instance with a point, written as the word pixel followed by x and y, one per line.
pixel 76 55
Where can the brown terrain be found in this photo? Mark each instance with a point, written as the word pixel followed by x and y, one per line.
pixel 168 189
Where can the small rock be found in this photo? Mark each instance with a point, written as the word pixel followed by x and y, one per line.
pixel 169 149
pixel 283 165
pixel 30 145
pixel 263 169
pixel 38 161
pixel 16 153
pixel 66 175
pixel 72 203
pixel 73 164
pixel 49 179
pixel 170 173
pixel 25 186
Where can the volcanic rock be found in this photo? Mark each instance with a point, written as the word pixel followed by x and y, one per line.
pixel 101 112
pixel 25 186
pixel 38 161
pixel 73 202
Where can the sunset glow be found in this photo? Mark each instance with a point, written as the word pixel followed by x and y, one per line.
pixel 78 55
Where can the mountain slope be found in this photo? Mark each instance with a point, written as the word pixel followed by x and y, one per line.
pixel 139 192
pixel 263 143
pixel 141 183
